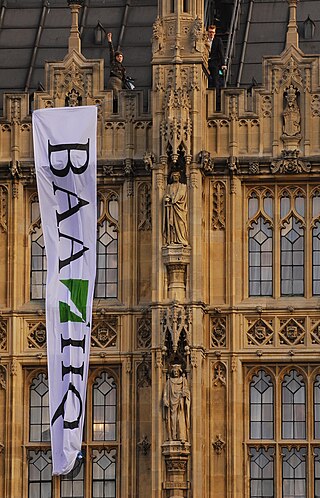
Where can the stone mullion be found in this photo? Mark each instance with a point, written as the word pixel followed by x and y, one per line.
pixel 128 246
pixel 125 468
pixel 158 379
pixel 196 240
pixel 198 429
pixel 16 462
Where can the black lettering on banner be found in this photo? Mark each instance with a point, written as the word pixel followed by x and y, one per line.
pixel 68 147
pixel 71 369
pixel 74 424
pixel 72 209
pixel 73 256
pixel 76 343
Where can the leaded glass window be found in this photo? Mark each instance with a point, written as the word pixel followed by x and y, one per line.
pixel 40 469
pixel 260 243
pixel 104 398
pixel 294 473
pixel 293 406
pixel 38 255
pixel 104 473
pixel 72 485
pixel 292 208
pixel 316 407
pixel 39 422
pixel 261 473
pixel 317 472
pixel 107 247
pixel 261 406
pixel 316 242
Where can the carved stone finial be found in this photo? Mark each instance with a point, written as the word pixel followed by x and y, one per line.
pixel 292 30
pixel 74 38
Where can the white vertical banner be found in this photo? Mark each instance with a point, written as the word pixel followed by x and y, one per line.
pixel 65 161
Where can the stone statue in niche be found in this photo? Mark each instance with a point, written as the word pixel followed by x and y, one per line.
pixel 291 113
pixel 175 230
pixel 176 405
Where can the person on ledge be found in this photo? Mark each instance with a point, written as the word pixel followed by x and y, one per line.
pixel 117 69
pixel 216 58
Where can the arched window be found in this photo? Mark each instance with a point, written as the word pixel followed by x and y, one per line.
pixel 39 421
pixel 293 406
pixel 261 406
pixel 107 247
pixel 104 406
pixel 38 256
pixel 260 256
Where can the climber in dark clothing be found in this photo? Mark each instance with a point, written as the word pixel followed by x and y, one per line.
pixel 117 70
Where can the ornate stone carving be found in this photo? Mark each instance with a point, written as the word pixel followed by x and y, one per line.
pixel 218 332
pixel 291 72
pixel 73 98
pixel 260 332
pixel 206 162
pixel 292 331
pixel 144 445
pixel 157 36
pixel 36 335
pixel 175 227
pixel 144 331
pixel 105 333
pixel 144 373
pixel 291 113
pixel 3 377
pixel 73 78
pixel 149 161
pixel 197 34
pixel 218 220
pixel 3 335
pixel 315 105
pixel 266 106
pixel 176 128
pixel 176 320
pixel 176 403
pixel 219 444
pixel 254 168
pixel 290 163
pixel 219 374
pixel 315 331
pixel 144 207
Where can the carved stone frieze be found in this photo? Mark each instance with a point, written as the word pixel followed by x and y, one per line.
pixel 144 207
pixel 36 335
pixel 254 168
pixel 218 332
pixel 260 332
pixel 105 332
pixel 292 331
pixel 266 106
pixel 218 220
pixel 290 163
pixel 157 36
pixel 144 331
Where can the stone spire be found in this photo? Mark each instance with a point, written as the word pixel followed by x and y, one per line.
pixel 292 31
pixel 74 38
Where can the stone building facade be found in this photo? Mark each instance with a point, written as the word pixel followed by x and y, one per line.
pixel 204 367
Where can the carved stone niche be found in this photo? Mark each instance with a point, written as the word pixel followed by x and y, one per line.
pixel 176 257
pixel 176 455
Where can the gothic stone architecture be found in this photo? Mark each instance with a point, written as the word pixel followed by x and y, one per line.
pixel 204 366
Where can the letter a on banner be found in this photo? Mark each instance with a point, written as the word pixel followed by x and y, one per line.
pixel 65 160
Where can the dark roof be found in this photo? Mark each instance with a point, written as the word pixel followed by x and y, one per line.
pixel 266 28
pixel 35 31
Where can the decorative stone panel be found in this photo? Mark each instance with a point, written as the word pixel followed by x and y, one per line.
pixel 36 337
pixel 260 332
pixel 104 333
pixel 292 331
pixel 218 332
pixel 144 331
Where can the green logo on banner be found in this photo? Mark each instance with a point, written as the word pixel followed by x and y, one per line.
pixel 78 293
